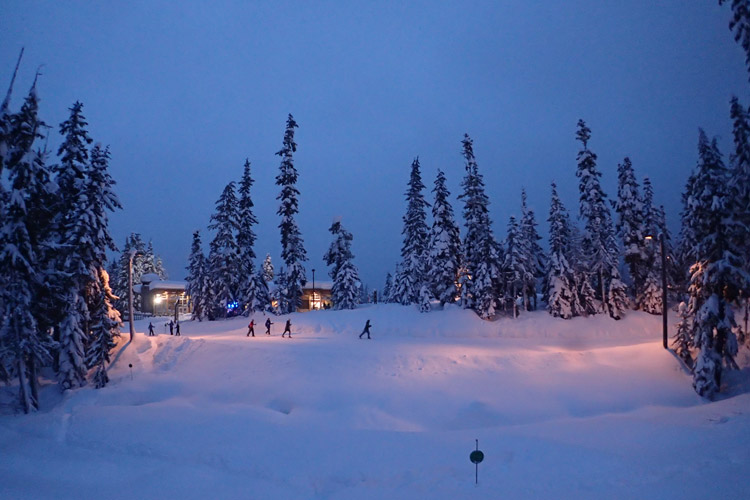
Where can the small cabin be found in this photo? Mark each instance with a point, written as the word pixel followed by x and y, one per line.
pixel 163 298
pixel 316 297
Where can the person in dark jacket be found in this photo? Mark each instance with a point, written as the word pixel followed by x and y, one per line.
pixel 288 328
pixel 150 330
pixel 366 330
pixel 268 326
pixel 251 328
pixel 177 329
pixel 171 327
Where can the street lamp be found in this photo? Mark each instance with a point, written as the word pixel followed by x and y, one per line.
pixel 133 253
pixel 312 302
pixel 663 286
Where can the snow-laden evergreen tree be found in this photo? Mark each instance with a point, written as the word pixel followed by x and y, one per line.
pixel 261 300
pixel 119 281
pixel 481 251
pixel 23 346
pixel 717 274
pixel 444 258
pixel 386 297
pixel 630 228
pixel 152 263
pixel 560 290
pixel 248 284
pixel 739 190
pixel 104 320
pixel 414 251
pixel 223 257
pixel 346 288
pixel 279 293
pixel 77 250
pixel 292 247
pixel 682 342
pixel 87 236
pixel 535 259
pixel 586 295
pixel 267 269
pixel 516 259
pixel 402 284
pixel 105 328
pixel 600 247
pixel 197 278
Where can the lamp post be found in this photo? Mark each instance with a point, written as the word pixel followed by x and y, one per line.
pixel 133 253
pixel 663 287
pixel 313 291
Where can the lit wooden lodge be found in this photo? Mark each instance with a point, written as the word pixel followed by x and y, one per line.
pixel 317 298
pixel 162 298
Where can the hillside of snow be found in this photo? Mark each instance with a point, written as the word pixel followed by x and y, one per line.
pixel 585 408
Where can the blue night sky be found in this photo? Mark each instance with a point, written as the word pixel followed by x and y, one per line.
pixel 183 92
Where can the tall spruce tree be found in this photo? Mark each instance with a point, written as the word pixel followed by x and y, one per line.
pixel 444 258
pixel 345 293
pixel 248 283
pixel 630 228
pixel 535 260
pixel 414 251
pixel 740 191
pixel 717 274
pixel 292 247
pixel 105 328
pixel 516 273
pixel 104 320
pixel 223 257
pixel 197 279
pixel 481 251
pixel 560 290
pixel 23 346
pixel 386 297
pixel 77 253
pixel 267 269
pixel 600 247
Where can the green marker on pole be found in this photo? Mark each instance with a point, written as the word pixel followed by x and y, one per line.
pixel 476 458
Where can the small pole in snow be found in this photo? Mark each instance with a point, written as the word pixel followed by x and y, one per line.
pixel 131 370
pixel 476 457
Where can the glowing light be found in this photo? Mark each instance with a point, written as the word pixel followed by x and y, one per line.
pixel 649 237
pixel 158 299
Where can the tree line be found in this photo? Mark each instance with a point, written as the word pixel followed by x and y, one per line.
pixel 226 280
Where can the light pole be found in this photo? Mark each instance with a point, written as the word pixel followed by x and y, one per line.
pixel 133 253
pixel 313 290
pixel 663 287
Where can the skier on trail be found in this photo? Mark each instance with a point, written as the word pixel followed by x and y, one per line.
pixel 171 327
pixel 366 330
pixel 268 326
pixel 150 330
pixel 251 328
pixel 288 328
pixel 177 329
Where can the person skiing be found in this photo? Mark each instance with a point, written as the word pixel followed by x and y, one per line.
pixel 268 326
pixel 251 328
pixel 177 329
pixel 171 327
pixel 288 328
pixel 366 330
pixel 150 330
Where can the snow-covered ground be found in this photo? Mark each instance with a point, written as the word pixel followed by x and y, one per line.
pixel 586 408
